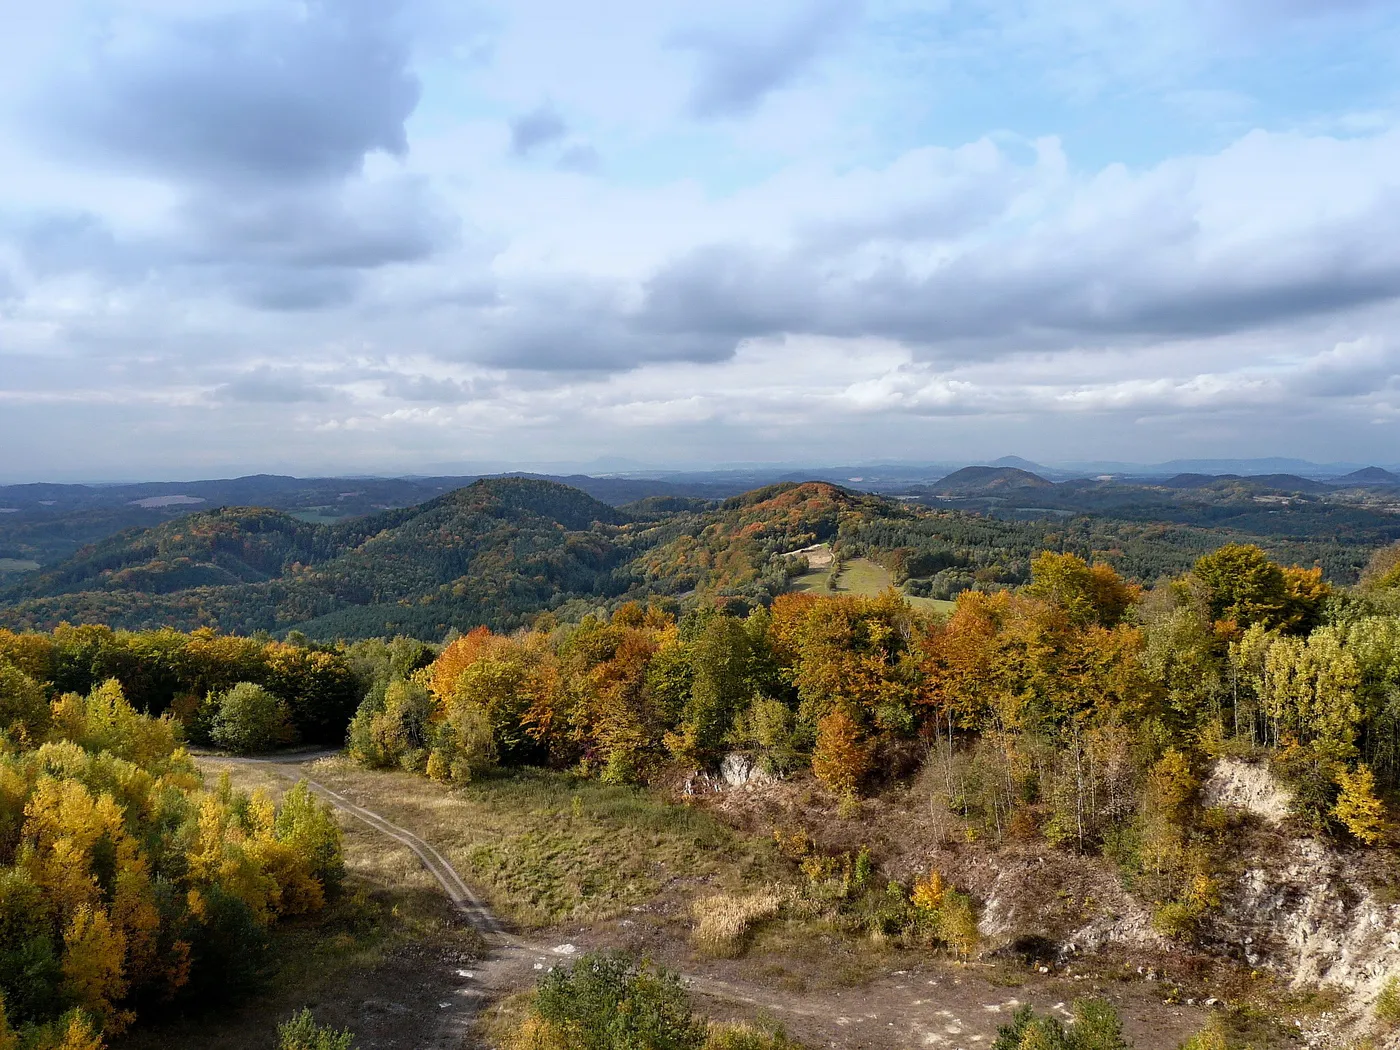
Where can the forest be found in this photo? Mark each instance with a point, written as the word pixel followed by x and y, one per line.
pixel 502 551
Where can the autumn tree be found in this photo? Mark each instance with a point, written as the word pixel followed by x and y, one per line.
pixel 1358 809
pixel 841 759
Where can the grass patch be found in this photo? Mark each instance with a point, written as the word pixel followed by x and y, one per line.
pixel 722 922
pixel 546 847
pixel 866 578
pixel 17 565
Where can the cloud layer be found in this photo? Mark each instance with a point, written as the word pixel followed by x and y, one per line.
pixel 349 235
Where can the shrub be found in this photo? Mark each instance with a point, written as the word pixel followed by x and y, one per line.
pixel 606 1001
pixel 303 1033
pixel 747 1037
pixel 464 745
pixel 252 719
pixel 1211 1037
pixel 1096 1027
pixel 722 921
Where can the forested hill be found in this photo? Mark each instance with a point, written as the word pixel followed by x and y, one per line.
pixel 503 550
pixel 497 551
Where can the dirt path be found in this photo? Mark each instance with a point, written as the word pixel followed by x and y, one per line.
pixel 933 1007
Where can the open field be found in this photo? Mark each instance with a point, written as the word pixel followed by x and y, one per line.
pixel 545 848
pixel 17 565
pixel 862 576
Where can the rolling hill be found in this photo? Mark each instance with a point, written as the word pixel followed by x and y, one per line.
pixel 496 551
pixel 983 481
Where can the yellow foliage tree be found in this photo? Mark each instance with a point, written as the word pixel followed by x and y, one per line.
pixel 929 893
pixel 94 952
pixel 1358 808
pixel 80 1034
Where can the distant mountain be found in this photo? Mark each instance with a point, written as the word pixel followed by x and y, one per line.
pixel 1019 464
pixel 1369 476
pixel 983 481
pixel 1283 483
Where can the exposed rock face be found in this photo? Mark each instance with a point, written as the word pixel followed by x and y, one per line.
pixel 739 770
pixel 1304 913
pixel 1249 786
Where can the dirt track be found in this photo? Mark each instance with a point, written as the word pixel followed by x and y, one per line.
pixel 938 1006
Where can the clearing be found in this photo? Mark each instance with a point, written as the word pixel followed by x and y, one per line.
pixel 859 576
pixel 581 865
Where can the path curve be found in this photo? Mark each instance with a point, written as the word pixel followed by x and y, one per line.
pixel 514 958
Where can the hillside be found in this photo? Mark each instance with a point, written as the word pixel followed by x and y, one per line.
pixel 1369 476
pixel 492 552
pixel 980 481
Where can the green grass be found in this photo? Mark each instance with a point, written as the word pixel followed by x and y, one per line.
pixel 17 565
pixel 861 576
pixel 546 847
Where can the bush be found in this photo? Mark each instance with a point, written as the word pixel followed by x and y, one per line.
pixel 1096 1027
pixel 608 1002
pixel 747 1037
pixel 464 745
pixel 251 719
pixel 303 1033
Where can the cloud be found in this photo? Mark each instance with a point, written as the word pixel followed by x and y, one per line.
pixel 430 389
pixel 271 94
pixel 267 386
pixel 539 127
pixel 581 158
pixel 736 72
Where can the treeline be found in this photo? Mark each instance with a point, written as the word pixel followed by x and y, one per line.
pixel 125 886
pixel 187 674
pixel 1078 708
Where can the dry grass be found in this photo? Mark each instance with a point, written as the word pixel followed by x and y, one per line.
pixel 722 922
pixel 544 848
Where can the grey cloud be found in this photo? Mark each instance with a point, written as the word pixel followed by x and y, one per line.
pixel 581 158
pixel 1136 280
pixel 396 222
pixel 270 94
pixel 428 389
pixel 284 248
pixel 539 127
pixel 64 242
pixel 266 386
pixel 737 72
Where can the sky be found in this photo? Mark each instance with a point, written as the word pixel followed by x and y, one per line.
pixel 412 236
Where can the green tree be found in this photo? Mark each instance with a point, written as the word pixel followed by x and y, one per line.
pixel 1243 585
pixel 252 719
pixel 24 709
